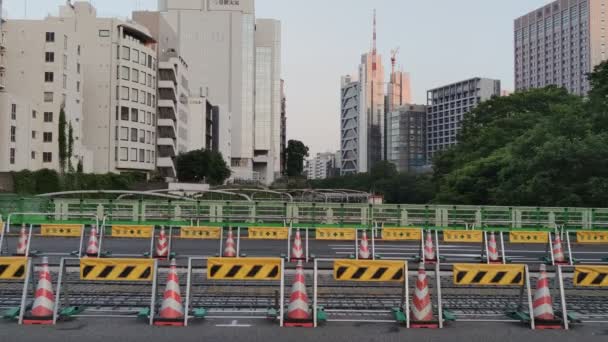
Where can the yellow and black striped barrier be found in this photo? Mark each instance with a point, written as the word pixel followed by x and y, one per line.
pixel 369 270
pixel 61 230
pixel 116 269
pixel 464 236
pixel 200 233
pixel 268 233
pixel 490 275
pixel 335 233
pixel 529 237
pixel 133 232
pixel 401 234
pixel 592 237
pixel 591 276
pixel 244 268
pixel 12 268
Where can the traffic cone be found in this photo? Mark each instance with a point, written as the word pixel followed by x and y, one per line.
pixel 296 250
pixel 162 245
pixel 558 252
pixel 297 312
pixel 93 244
pixel 364 247
pixel 429 249
pixel 493 250
pixel 229 250
pixel 422 308
pixel 44 302
pixel 543 303
pixel 22 244
pixel 171 311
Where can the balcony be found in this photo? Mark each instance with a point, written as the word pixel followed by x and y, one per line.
pixel 166 167
pixel 166 129
pixel 167 72
pixel 166 90
pixel 166 147
pixel 165 106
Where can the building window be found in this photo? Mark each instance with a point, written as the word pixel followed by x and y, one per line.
pixel 142 77
pixel 124 154
pixel 13 133
pixel 142 136
pixel 125 73
pixel 142 97
pixel 135 75
pixel 33 135
pixel 124 113
pixel 134 134
pixel 135 56
pixel 33 155
pixel 149 118
pixel 134 94
pixel 142 58
pixel 47 157
pixel 47 137
pixel 13 111
pixel 34 114
pixel 48 116
pixel 48 96
pixel 134 154
pixel 78 50
pixel 65 62
pixel 12 156
pixel 49 77
pixel 149 99
pixel 126 53
pixel 124 133
pixel 78 86
pixel 78 68
pixel 142 154
pixel 104 33
pixel 65 81
pixel 124 93
pixel 50 37
pixel 134 114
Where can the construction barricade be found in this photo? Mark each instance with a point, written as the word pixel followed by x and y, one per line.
pixel 127 241
pixel 587 246
pixel 227 285
pixel 198 241
pixel 533 246
pixel 261 239
pixel 359 290
pixel 398 243
pixel 586 289
pixel 489 292
pixel 331 241
pixel 114 287
pixel 15 276
pixel 471 244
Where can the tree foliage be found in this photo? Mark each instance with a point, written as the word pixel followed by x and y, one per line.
pixel 202 166
pixel 540 147
pixel 296 151
pixel 62 140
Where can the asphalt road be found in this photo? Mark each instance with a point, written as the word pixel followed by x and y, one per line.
pixel 450 253
pixel 252 330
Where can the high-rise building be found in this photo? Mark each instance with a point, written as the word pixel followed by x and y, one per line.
pixel 446 107
pixel 559 43
pixel 41 76
pixel 219 38
pixel 267 122
pixel 406 138
pixel 322 166
pixel 351 140
pixel 399 92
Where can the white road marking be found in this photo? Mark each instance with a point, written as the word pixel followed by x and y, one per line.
pixel 234 324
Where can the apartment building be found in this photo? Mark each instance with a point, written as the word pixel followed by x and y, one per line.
pixel 406 137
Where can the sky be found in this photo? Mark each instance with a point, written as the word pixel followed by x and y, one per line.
pixel 440 41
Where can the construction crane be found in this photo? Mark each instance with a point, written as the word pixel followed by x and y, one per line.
pixel 394 54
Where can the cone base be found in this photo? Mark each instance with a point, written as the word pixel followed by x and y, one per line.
pixel 430 261
pixel 158 257
pixel 298 323
pixel 565 262
pixel 547 325
pixel 497 262
pixel 19 254
pixel 92 255
pixel 424 325
pixel 29 320
pixel 168 322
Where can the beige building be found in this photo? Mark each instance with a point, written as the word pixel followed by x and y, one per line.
pixel 45 76
pixel 559 43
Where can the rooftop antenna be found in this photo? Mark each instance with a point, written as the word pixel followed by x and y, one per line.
pixel 394 54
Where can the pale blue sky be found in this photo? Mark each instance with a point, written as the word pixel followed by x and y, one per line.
pixel 441 41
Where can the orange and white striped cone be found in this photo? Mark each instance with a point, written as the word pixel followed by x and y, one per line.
pixel 229 250
pixel 543 303
pixel 162 245
pixel 22 244
pixel 172 310
pixel 297 253
pixel 429 248
pixel 558 251
pixel 298 314
pixel 422 308
pixel 364 247
pixel 493 250
pixel 93 244
pixel 44 301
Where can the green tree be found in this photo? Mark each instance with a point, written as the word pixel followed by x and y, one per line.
pixel 202 165
pixel 296 151
pixel 70 147
pixel 62 140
